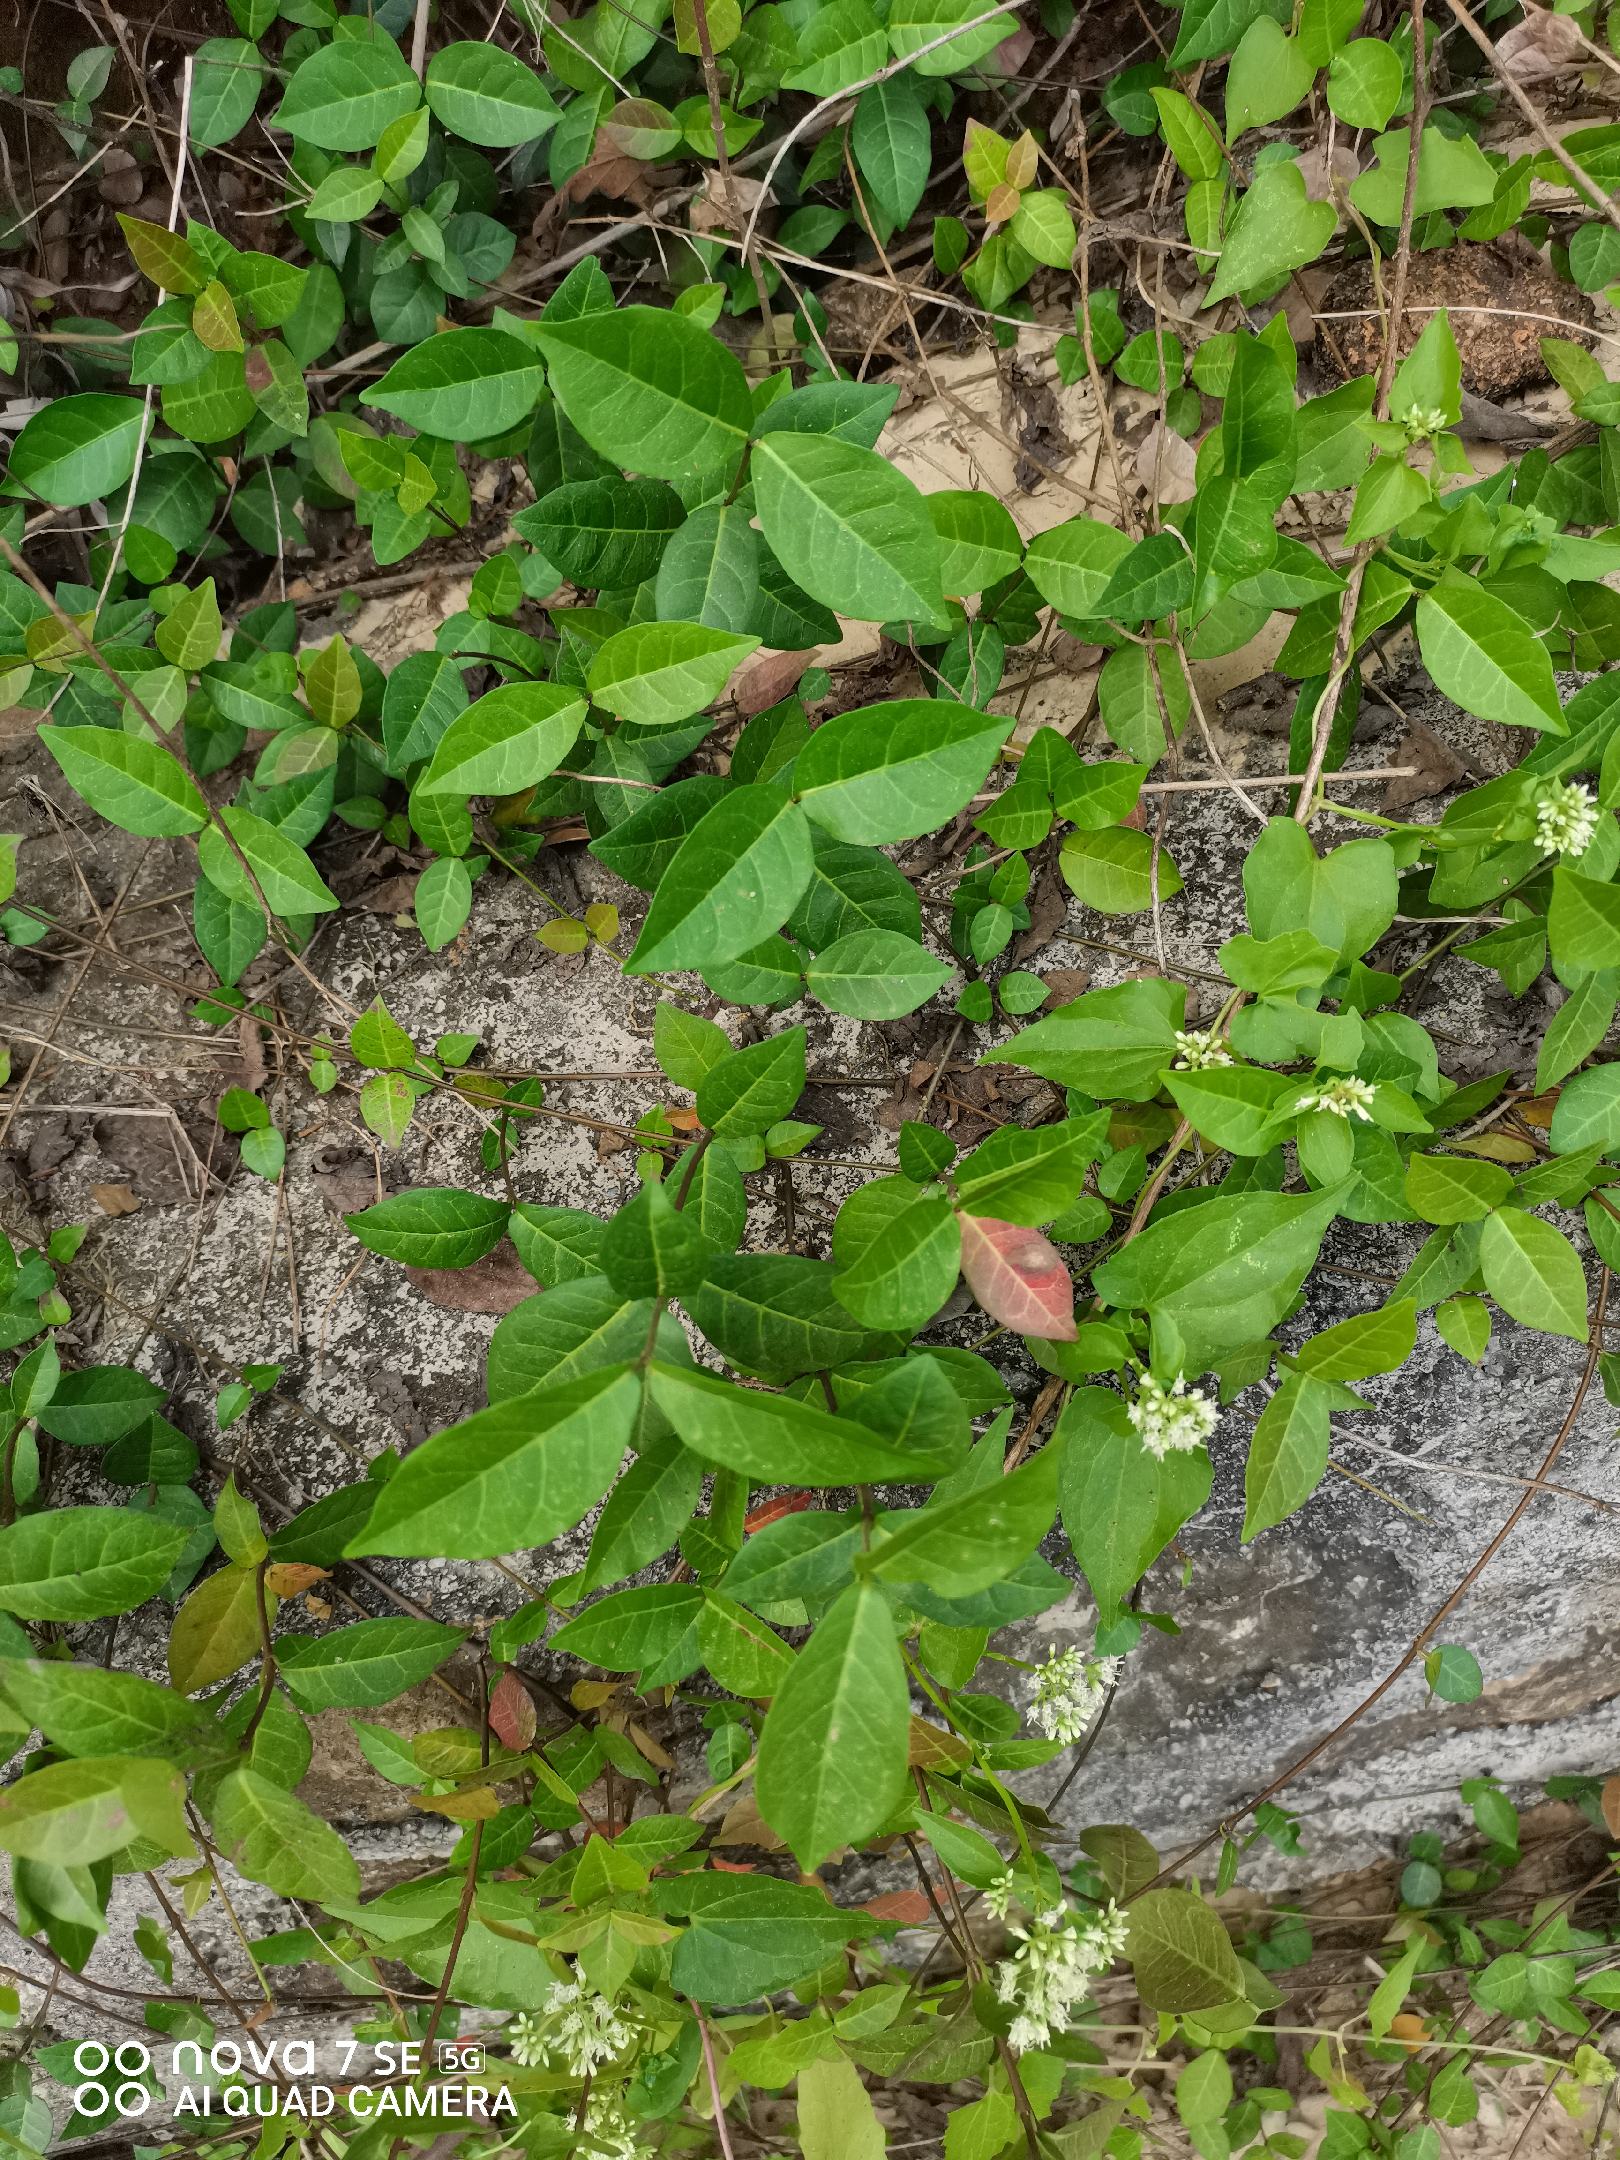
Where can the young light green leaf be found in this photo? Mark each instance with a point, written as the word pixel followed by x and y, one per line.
pixel 505 741
pixel 661 673
pixel 888 772
pixel 1533 1273
pixel 1487 658
pixel 135 784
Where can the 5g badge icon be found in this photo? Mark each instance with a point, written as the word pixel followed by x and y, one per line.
pixel 99 2066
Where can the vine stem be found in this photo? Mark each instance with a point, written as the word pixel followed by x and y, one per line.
pixel 721 2129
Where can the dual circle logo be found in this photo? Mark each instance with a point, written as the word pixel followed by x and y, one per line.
pixel 114 2078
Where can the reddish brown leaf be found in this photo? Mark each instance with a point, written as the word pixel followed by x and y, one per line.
pixel 909 1907
pixel 287 1578
pixel 511 1712
pixel 1018 1277
pixel 769 1511
pixel 767 680
pixel 1609 1802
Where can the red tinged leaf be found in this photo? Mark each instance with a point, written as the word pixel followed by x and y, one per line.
pixel 511 1712
pixel 910 1907
pixel 1018 1277
pixel 769 1511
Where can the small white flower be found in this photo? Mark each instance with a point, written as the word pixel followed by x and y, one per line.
pixel 998 1898
pixel 526 2036
pixel 1344 1098
pixel 1068 1693
pixel 575 2027
pixel 1171 1420
pixel 1197 1049
pixel 1049 1971
pixel 1566 819
pixel 1110 1931
pixel 1422 421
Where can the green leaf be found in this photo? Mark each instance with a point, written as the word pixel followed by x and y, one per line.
pixel 734 879
pixel 750 1935
pixel 506 741
pixel 849 528
pixel 653 1249
pixel 875 975
pixel 604 532
pixel 659 674
pixel 1071 565
pixel 838 46
pixel 899 1252
pixel 889 137
pixel 832 1756
pixel 433 1226
pixel 462 385
pixel 216 1630
pixel 99 1404
pixel 511 1477
pixel 580 1328
pixel 1533 1273
pixel 354 1668
pixel 226 75
pixel 1455 1188
pixel 86 1710
pixel 961 1546
pixel 1021 1176
pixel 749 1090
pixel 1275 228
pixel 687 1046
pixel 1117 871
pixel 1180 1953
pixel 1583 921
pixel 889 772
pixel 710 570
pixel 1232 1106
pixel 275 1839
pixel 1453 1673
pixel 1121 1506
pixel 488 96
pixel 72 1814
pixel 649 389
pixel 1223 1272
pixel 631 1628
pixel 978 541
pixel 286 876
pixel 344 94
pixel 1464 1323
pixel 76 450
pixel 1375 1342
pixel 837 2120
pixel 1365 83
pixel 776 1438
pixel 1486 658
pixel 776 1316
pixel 443 901
pixel 1288 1454
pixel 1109 1042
pixel 918 24
pixel 133 783
pixel 1268 76
pixel 1453 174
pixel 1587 1112
pixel 84 1563
pixel 1345 899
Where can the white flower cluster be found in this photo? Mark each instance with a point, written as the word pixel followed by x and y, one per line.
pixel 611 2130
pixel 1170 1420
pixel 1197 1049
pixel 1345 1098
pixel 1048 1973
pixel 1068 1693
pixel 1566 819
pixel 1422 421
pixel 575 2027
